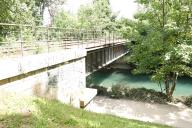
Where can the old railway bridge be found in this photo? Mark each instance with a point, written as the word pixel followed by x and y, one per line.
pixel 54 62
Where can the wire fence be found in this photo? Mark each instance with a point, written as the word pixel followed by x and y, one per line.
pixel 20 40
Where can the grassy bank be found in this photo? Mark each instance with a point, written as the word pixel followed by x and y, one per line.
pixel 20 112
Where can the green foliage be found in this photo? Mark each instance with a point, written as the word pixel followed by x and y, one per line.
pixel 188 101
pixel 51 4
pixel 146 95
pixel 97 15
pixel 162 36
pixel 17 11
pixel 117 91
pixel 100 90
pixel 137 94
pixel 26 11
pixel 65 20
pixel 86 17
pixel 5 10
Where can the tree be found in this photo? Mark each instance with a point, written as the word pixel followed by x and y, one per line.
pixel 103 13
pixel 16 11
pixel 52 6
pixel 5 10
pixel 163 45
pixel 86 17
pixel 65 20
pixel 97 15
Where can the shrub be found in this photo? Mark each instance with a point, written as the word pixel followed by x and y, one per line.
pixel 102 91
pixel 117 91
pixel 188 101
pixel 138 94
pixel 146 95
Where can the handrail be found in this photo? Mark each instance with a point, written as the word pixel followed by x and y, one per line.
pixel 36 39
pixel 47 27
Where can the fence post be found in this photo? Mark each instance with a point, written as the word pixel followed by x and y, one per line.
pixel 113 37
pixel 101 38
pixel 82 37
pixel 109 37
pixel 21 39
pixel 105 38
pixel 47 28
pixel 59 38
pixel 94 35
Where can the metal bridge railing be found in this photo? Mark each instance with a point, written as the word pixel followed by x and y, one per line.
pixel 19 40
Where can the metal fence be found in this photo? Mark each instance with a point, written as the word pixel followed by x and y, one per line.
pixel 19 40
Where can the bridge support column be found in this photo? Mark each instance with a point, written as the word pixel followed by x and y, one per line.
pixel 103 56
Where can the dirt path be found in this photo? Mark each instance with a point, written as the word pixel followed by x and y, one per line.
pixel 174 115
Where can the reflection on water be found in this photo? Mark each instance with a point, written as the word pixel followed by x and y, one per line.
pixel 123 77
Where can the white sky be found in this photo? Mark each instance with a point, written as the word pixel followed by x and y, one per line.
pixel 126 8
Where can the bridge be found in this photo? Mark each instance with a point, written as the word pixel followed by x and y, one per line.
pixel 54 62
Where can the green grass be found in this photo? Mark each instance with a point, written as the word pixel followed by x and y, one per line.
pixel 53 114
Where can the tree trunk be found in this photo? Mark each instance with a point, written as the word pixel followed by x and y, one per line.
pixel 174 80
pixel 167 86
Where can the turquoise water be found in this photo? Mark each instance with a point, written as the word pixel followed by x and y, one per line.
pixel 123 77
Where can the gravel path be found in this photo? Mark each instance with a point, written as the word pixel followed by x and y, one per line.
pixel 177 115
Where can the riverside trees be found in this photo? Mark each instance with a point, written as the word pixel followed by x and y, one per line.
pixel 96 15
pixel 163 41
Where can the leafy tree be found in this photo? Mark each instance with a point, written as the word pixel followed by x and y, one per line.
pixel 97 15
pixel 103 13
pixel 52 6
pixel 127 27
pixel 163 43
pixel 86 17
pixel 16 11
pixel 65 20
pixel 5 9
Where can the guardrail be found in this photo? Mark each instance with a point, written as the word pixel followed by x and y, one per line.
pixel 19 40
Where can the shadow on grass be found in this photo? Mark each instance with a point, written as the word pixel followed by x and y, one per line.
pixel 17 120
pixel 52 114
pixel 49 114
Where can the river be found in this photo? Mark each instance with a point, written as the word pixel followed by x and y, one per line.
pixel 110 77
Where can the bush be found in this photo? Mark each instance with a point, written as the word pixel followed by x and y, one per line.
pixel 137 94
pixel 102 91
pixel 188 101
pixel 117 91
pixel 146 95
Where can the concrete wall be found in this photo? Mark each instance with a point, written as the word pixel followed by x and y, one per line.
pixel 58 75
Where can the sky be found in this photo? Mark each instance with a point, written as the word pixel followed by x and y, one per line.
pixel 126 8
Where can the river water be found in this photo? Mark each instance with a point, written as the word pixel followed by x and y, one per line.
pixel 109 78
